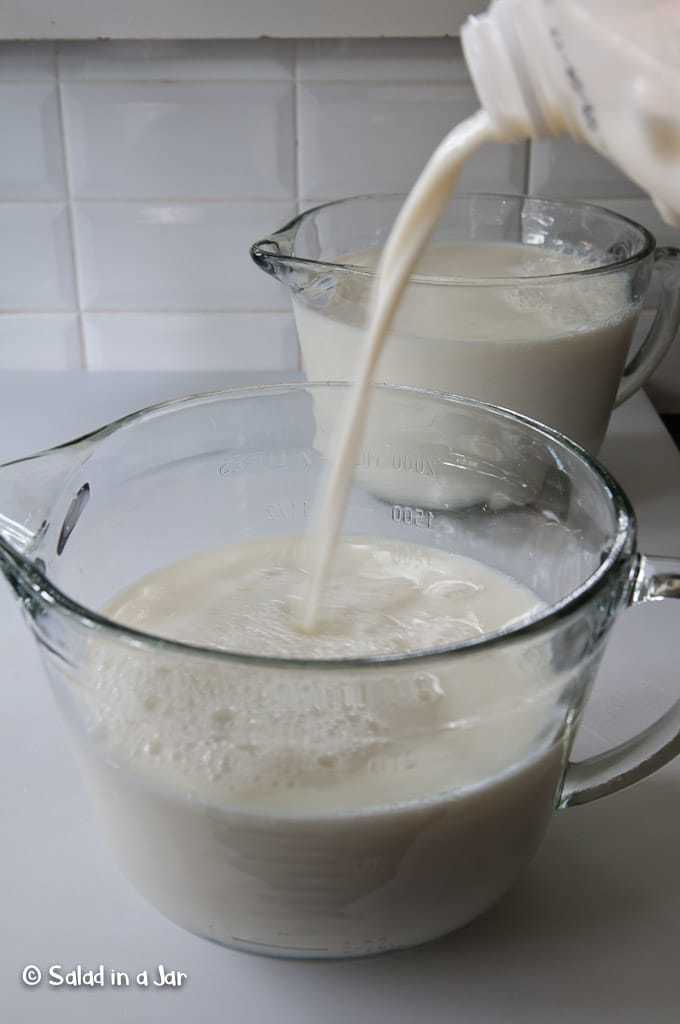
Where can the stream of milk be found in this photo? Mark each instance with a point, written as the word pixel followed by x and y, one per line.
pixel 410 234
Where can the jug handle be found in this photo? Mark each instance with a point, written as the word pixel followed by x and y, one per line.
pixel 663 328
pixel 656 579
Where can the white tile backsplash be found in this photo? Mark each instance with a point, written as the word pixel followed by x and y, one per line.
pixel 562 168
pixel 398 60
pixel 175 256
pixel 36 265
pixel 49 341
pixel 375 137
pixel 190 341
pixel 180 139
pixel 176 60
pixel 134 176
pixel 27 62
pixel 31 160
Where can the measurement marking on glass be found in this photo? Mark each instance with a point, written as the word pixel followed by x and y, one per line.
pixel 289 509
pixel 253 462
pixel 406 515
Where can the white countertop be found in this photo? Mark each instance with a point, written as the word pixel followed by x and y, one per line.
pixel 590 934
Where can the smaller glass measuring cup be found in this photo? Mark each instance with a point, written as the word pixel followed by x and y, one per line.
pixel 534 338
pixel 313 874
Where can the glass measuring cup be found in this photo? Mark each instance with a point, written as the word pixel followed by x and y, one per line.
pixel 549 344
pixel 316 877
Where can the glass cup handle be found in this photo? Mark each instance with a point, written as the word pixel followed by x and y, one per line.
pixel 664 326
pixel 655 580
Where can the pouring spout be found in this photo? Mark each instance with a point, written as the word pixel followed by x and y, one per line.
pixel 298 255
pixel 29 489
pixel 265 254
pixel 275 253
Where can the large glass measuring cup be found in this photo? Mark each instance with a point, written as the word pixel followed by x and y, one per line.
pixel 313 875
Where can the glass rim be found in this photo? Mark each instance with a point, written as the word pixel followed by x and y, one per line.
pixel 524 627
pixel 647 243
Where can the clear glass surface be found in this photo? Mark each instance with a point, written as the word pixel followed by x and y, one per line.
pixel 531 337
pixel 81 522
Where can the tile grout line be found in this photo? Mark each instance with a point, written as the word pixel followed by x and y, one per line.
pixel 150 200
pixel 585 196
pixel 392 79
pixel 165 80
pixel 71 217
pixel 296 127
pixel 527 167
pixel 296 164
pixel 151 311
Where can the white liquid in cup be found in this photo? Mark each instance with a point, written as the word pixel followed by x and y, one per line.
pixel 553 351
pixel 334 812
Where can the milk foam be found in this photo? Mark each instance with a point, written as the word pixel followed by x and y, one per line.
pixel 230 735
pixel 502 313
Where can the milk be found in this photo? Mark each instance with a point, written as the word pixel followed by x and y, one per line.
pixel 323 811
pixel 530 347
pixel 407 240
